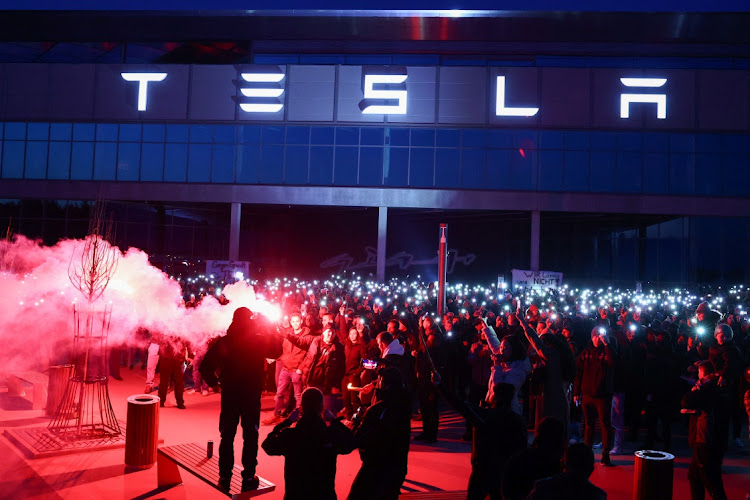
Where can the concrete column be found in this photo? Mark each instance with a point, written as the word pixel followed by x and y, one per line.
pixel 535 222
pixel 382 230
pixel 234 232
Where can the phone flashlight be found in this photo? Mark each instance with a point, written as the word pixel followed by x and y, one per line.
pixel 602 331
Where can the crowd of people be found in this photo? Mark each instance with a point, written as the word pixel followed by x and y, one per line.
pixel 354 362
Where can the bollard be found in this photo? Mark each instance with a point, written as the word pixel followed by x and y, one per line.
pixel 653 475
pixel 58 381
pixel 142 431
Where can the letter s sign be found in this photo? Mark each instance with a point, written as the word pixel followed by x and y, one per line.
pixel 371 93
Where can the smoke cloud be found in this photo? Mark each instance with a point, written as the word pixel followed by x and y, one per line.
pixel 37 300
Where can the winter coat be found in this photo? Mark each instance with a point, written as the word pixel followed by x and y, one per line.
pixel 239 358
pixel 324 365
pixel 294 348
pixel 595 369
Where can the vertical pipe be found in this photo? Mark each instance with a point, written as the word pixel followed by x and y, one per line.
pixel 442 260
pixel 382 232
pixel 234 232
pixel 535 223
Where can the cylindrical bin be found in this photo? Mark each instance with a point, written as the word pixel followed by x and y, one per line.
pixel 653 475
pixel 142 431
pixel 58 381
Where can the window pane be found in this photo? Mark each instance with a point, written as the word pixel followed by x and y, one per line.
pixel 222 165
pixel 422 167
pixel 177 133
pixel 371 136
pixel 249 134
pixel 15 131
pixel 106 132
pixel 551 170
pixel 321 135
pixel 297 135
pixel 152 164
pixel 656 167
pixel 396 169
pixel 130 132
pixel 682 173
pixel 199 163
pixel 473 138
pixel 37 131
pixel 603 171
pixel 370 166
pixel 82 164
pixel 273 135
pixel 347 136
pixel 499 168
pixel 398 136
pixel 59 160
pixel 153 133
pixel 175 162
pixel 82 131
pixel 128 161
pixel 248 163
pixel 36 160
pixel 321 165
pixel 105 161
pixel 224 134
pixel 200 133
pixel 295 164
pixel 449 138
pixel 272 164
pixel 447 163
pixel 523 163
pixel 345 169
pixel 472 168
pixel 577 170
pixel 423 137
pixel 13 152
pixel 60 131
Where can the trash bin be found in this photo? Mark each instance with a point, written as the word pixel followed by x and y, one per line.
pixel 653 475
pixel 58 381
pixel 142 431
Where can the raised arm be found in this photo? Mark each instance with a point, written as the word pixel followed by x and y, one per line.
pixel 532 336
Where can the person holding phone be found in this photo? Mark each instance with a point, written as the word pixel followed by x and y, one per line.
pixel 594 386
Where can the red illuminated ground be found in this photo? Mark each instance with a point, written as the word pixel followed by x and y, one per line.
pixel 101 474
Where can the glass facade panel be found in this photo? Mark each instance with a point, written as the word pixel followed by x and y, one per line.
pixel 82 162
pixel 396 168
pixel 105 161
pixel 175 162
pixel 321 165
pixel 199 163
pixel 59 160
pixel 128 162
pixel 222 164
pixel 346 166
pixel 447 167
pixel 36 160
pixel 422 167
pixel 295 165
pixel 152 163
pixel 472 168
pixel 272 164
pixel 370 166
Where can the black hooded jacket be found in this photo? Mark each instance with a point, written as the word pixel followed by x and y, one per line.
pixel 236 361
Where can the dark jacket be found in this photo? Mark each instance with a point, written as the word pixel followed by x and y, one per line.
pixel 294 348
pixel 727 362
pixel 237 360
pixel 355 353
pixel 310 449
pixel 595 375
pixel 324 365
pixel 703 400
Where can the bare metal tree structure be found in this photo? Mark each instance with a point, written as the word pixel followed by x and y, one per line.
pixel 85 410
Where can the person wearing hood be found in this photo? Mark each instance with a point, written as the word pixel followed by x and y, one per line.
pixel 239 358
pixel 706 320
pixel 392 353
pixel 325 364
